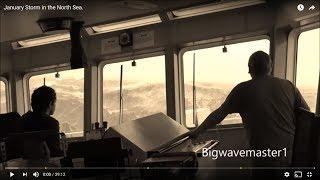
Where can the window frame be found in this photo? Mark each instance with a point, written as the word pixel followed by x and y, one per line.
pixel 128 57
pixel 40 71
pixel 292 57
pixel 7 93
pixel 292 52
pixel 220 41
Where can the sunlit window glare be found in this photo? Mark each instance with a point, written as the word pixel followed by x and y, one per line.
pixel 3 99
pixel 307 75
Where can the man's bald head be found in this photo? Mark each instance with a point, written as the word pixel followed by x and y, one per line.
pixel 259 64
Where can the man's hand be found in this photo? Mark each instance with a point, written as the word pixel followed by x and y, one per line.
pixel 214 118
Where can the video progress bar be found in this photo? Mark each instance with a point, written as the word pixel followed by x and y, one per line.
pixel 138 168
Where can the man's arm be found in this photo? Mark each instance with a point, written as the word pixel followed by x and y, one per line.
pixel 230 105
pixel 213 119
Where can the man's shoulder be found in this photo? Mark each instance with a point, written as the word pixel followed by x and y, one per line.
pixel 52 120
pixel 252 83
pixel 243 84
pixel 282 81
pixel 239 88
pixel 26 115
pixel 44 118
pixel 279 79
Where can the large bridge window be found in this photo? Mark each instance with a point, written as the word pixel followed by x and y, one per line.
pixel 3 98
pixel 211 76
pixel 69 86
pixel 307 75
pixel 142 86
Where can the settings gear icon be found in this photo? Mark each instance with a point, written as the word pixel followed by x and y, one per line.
pixel 286 174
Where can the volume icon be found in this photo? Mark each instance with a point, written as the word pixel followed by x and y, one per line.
pixel 36 174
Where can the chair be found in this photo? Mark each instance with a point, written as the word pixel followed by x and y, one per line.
pixel 35 148
pixel 32 149
pixel 97 153
pixel 10 123
pixel 306 145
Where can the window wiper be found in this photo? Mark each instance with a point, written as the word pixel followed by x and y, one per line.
pixel 121 96
pixel 194 94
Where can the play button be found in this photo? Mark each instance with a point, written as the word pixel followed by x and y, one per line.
pixel 11 174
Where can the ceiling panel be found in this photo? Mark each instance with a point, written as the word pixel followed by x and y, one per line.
pixel 17 25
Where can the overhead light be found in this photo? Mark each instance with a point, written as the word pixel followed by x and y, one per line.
pixel 57 75
pixel 41 41
pixel 55 24
pixel 133 63
pixel 224 49
pixel 126 24
pixel 214 7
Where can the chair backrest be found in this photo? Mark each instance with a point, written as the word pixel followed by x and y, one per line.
pixel 10 123
pixel 317 140
pixel 102 152
pixel 32 145
pixel 19 143
pixel 306 140
pixel 35 149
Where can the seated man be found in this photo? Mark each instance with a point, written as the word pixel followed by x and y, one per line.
pixel 43 101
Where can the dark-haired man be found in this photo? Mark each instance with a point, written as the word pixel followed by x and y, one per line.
pixel 266 105
pixel 43 102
